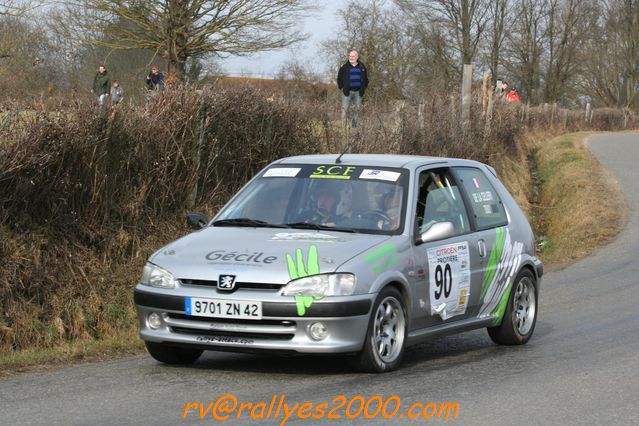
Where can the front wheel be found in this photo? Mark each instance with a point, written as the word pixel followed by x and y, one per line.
pixel 386 335
pixel 172 354
pixel 520 317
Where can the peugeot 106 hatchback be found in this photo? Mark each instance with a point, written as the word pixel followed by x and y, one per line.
pixel 357 254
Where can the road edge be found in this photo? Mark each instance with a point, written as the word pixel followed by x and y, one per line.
pixel 576 186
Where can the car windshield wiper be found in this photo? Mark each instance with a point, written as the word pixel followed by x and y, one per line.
pixel 304 225
pixel 245 221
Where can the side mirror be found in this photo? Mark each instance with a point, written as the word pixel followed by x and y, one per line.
pixel 438 231
pixel 196 221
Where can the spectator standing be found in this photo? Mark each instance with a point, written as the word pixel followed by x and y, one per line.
pixel 154 84
pixel 117 93
pixel 502 90
pixel 101 84
pixel 513 96
pixel 352 80
pixel 155 79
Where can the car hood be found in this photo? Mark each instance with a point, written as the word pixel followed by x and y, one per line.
pixel 260 255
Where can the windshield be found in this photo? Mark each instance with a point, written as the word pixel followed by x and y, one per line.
pixel 327 197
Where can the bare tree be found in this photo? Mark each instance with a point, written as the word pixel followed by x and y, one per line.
pixel 465 21
pixel 523 55
pixel 624 22
pixel 180 29
pixel 24 49
pixel 497 15
pixel 569 25
pixel 15 8
pixel 591 49
pixel 376 30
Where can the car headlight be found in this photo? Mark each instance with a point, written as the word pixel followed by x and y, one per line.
pixel 155 276
pixel 322 285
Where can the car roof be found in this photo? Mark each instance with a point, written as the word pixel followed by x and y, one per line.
pixel 376 160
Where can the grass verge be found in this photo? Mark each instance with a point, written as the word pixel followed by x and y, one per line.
pixel 88 350
pixel 570 208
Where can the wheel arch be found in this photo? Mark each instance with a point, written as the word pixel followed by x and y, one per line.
pixel 529 266
pixel 406 297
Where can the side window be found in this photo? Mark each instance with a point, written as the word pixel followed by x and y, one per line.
pixel 439 200
pixel 484 202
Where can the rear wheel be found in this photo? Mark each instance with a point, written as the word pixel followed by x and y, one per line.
pixel 172 354
pixel 520 317
pixel 386 335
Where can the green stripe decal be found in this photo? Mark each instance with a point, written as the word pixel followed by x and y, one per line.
pixel 498 312
pixel 389 262
pixel 385 250
pixel 329 177
pixel 493 261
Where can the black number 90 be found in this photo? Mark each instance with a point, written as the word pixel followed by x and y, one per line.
pixel 443 281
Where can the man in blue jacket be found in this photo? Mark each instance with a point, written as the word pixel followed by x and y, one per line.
pixel 155 79
pixel 352 79
pixel 154 85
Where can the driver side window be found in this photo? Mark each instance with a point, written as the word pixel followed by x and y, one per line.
pixel 439 200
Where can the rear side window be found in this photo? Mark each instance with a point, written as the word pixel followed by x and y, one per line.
pixel 485 203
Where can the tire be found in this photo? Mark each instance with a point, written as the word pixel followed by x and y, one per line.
pixel 520 317
pixel 385 341
pixel 172 354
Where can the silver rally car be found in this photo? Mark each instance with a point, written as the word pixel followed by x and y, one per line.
pixel 359 254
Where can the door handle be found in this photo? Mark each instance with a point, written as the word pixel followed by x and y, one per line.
pixel 482 248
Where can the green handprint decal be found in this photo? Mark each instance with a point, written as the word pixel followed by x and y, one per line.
pixel 304 302
pixel 296 269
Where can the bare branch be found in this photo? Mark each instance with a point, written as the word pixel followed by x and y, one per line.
pixel 185 28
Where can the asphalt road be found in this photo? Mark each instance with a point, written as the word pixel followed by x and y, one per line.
pixel 581 366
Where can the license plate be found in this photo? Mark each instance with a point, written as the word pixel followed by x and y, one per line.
pixel 219 308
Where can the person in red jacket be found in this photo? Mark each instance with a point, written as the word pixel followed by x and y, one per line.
pixel 513 96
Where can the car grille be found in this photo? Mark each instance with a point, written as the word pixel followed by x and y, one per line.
pixel 238 285
pixel 249 329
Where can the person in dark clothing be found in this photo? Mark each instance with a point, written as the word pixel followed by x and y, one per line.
pixel 352 80
pixel 154 84
pixel 155 79
pixel 101 84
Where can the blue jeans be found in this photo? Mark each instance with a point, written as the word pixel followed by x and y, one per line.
pixel 356 99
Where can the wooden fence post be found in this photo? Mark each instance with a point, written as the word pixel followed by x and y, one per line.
pixel 466 94
pixel 199 146
pixel 487 90
pixel 420 115
pixel 625 118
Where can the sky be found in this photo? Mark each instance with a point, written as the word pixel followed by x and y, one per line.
pixel 320 25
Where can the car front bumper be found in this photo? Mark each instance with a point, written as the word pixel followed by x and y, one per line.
pixel 279 330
